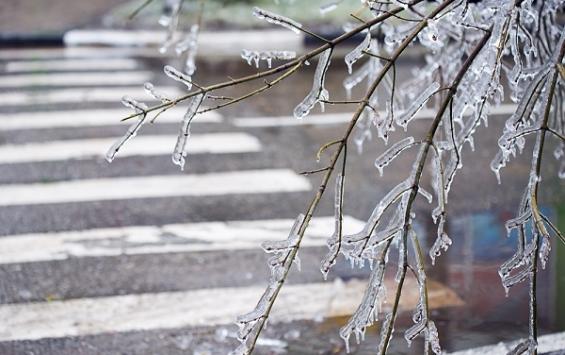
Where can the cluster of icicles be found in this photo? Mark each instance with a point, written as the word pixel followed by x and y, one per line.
pixel 448 40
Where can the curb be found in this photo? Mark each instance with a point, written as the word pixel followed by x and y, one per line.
pixel 22 40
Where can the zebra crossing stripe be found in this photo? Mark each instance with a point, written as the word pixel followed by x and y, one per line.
pixel 213 184
pixel 77 53
pixel 82 95
pixel 206 307
pixel 213 44
pixel 546 344
pixel 339 118
pixel 217 143
pixel 72 64
pixel 91 118
pixel 172 238
pixel 75 79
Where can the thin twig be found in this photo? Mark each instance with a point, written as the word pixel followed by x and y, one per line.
pixel 280 68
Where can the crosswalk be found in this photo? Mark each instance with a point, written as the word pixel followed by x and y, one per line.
pixel 163 264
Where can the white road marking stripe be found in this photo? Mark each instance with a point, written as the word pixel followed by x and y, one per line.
pixel 216 44
pixel 218 143
pixel 546 343
pixel 82 95
pixel 75 79
pixel 72 64
pixel 338 118
pixel 207 307
pixel 235 182
pixel 173 238
pixel 77 52
pixel 91 118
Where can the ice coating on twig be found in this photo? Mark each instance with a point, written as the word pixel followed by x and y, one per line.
pixel 268 56
pixel 250 324
pixel 334 242
pixel 367 312
pixel 179 76
pixel 357 52
pixel 150 89
pixel 442 242
pixel 388 156
pixel 526 346
pixel 139 108
pixel 420 315
pixel 318 92
pixel 407 115
pixel 181 148
pixel 277 19
pixel 383 344
pixel 432 338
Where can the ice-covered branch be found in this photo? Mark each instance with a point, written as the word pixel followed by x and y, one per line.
pixel 277 19
pixel 318 93
pixel 268 56
pixel 334 242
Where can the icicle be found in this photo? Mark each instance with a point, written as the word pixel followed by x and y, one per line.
pixel 141 109
pixel 178 76
pixel 545 249
pixel 318 91
pixel 277 19
pixel 357 52
pixel 407 116
pixel 268 56
pixel 388 156
pixel 181 151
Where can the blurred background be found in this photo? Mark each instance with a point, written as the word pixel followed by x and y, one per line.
pixel 138 257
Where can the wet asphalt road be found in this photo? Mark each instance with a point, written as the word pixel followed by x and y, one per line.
pixel 282 147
